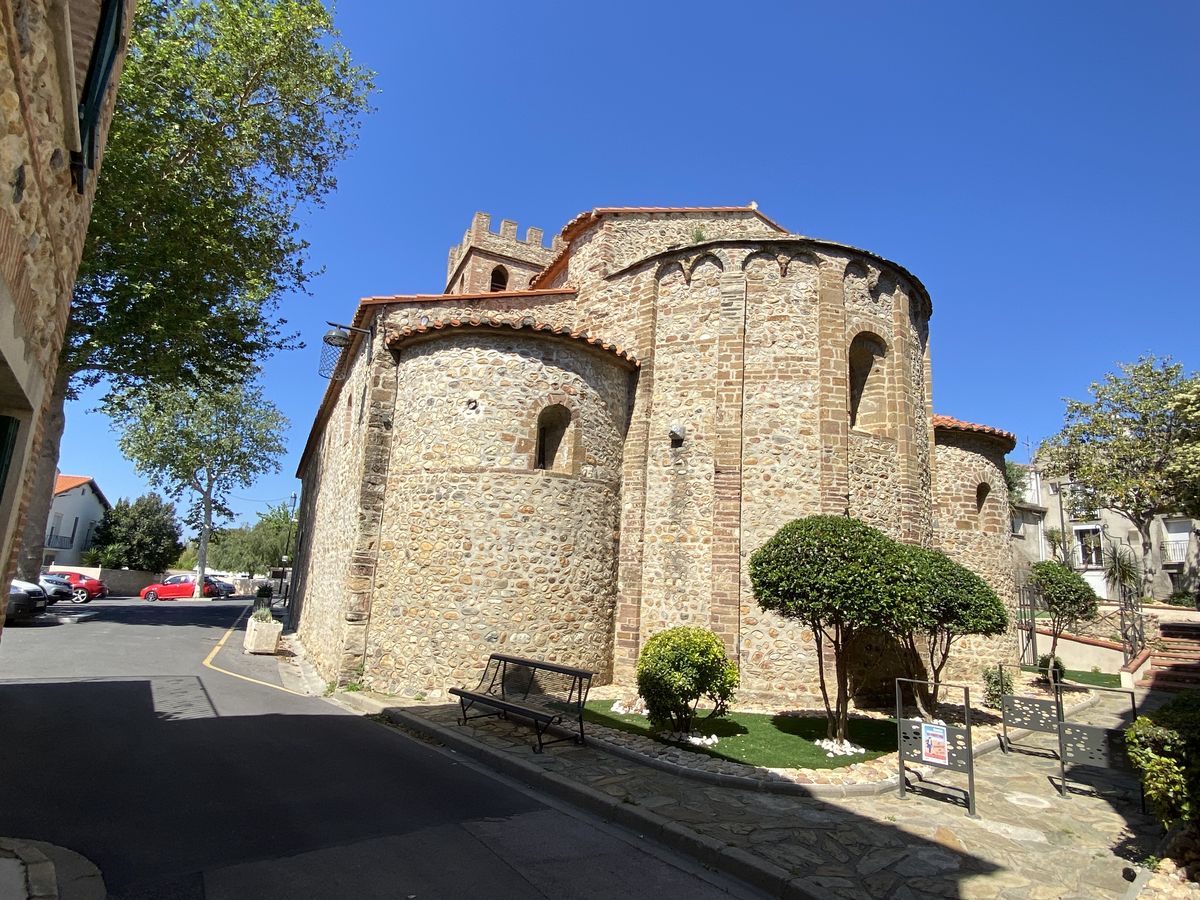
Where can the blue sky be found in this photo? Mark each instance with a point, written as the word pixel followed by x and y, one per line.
pixel 1033 164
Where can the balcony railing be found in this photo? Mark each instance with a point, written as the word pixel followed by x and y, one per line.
pixel 1175 550
pixel 59 541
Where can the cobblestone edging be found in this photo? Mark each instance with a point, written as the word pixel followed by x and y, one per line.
pixel 35 867
pixel 876 776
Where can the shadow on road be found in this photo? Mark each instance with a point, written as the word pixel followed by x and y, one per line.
pixel 162 788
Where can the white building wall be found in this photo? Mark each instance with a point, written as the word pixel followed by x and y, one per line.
pixel 80 510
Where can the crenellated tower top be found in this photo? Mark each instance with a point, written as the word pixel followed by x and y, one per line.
pixel 487 260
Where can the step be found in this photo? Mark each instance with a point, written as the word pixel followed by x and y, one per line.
pixel 1176 654
pixel 1163 684
pixel 1175 665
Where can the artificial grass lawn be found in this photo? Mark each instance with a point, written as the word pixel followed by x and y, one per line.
pixel 1098 679
pixel 758 739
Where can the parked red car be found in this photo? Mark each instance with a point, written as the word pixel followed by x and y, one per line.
pixel 84 588
pixel 178 587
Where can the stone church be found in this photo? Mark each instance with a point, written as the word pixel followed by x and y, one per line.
pixel 574 447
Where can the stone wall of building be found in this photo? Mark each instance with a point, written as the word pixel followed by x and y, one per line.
pixel 470 264
pixel 329 517
pixel 43 218
pixel 482 552
pixel 974 533
pixel 752 348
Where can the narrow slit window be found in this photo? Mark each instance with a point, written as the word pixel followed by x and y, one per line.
pixel 551 431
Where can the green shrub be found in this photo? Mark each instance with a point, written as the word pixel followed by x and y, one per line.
pixel 262 615
pixel 1067 597
pixel 264 592
pixel 1182 598
pixel 1164 746
pixel 1051 667
pixel 996 683
pixel 678 668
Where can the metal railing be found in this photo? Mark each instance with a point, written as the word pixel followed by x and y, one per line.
pixel 1174 550
pixel 59 541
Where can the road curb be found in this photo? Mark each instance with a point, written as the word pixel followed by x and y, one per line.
pixel 67 618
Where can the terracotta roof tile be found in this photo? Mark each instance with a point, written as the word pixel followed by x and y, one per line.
pixel 64 483
pixel 950 423
pixel 526 324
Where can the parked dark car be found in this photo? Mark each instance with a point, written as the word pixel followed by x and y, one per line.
pixel 25 600
pixel 84 588
pixel 226 589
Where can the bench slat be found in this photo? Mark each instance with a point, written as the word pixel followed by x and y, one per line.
pixel 548 666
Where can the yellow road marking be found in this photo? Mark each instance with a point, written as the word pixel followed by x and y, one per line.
pixel 208 660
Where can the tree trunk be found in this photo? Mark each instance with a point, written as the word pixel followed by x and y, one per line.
pixel 843 687
pixel 202 547
pixel 1147 559
pixel 41 497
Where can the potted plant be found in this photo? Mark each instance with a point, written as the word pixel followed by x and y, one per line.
pixel 262 631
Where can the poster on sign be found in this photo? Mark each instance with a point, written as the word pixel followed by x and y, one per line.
pixel 934 748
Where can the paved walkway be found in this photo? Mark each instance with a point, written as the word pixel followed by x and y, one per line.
pixel 1027 842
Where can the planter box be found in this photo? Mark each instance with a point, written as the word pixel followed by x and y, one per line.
pixel 262 637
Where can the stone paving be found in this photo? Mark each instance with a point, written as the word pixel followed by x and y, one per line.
pixel 1027 842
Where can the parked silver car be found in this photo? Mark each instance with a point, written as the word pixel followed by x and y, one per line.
pixel 56 587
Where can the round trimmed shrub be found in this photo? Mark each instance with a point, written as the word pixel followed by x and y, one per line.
pixel 680 667
pixel 1047 664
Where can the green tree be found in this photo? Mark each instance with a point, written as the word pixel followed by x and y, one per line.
pixel 140 535
pixel 1016 478
pixel 948 602
pixel 1121 448
pixel 202 444
pixel 255 548
pixel 230 120
pixel 838 576
pixel 1184 467
pixel 1067 596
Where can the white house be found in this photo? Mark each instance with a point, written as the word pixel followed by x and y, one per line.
pixel 78 507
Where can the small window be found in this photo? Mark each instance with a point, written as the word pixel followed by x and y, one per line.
pixel 868 386
pixel 1018 524
pixel 499 278
pixel 981 497
pixel 551 429
pixel 1089 551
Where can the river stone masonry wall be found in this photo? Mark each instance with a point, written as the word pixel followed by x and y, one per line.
pixel 705 359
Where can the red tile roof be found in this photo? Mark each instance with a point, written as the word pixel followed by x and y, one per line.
pixel 949 423
pixel 578 224
pixel 64 483
pixel 526 324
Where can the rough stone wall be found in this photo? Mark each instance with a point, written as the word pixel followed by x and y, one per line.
pixel 480 551
pixel 329 520
pixel 977 538
pixel 736 422
pixel 43 223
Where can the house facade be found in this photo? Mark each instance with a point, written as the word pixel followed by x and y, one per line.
pixel 78 507
pixel 1052 508
pixel 59 65
pixel 573 447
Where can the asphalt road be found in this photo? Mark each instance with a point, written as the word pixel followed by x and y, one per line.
pixel 182 783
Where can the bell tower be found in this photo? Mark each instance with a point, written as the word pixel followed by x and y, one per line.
pixel 486 261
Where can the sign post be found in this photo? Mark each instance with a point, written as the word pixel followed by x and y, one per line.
pixel 936 743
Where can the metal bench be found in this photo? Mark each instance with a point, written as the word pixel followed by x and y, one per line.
pixel 546 693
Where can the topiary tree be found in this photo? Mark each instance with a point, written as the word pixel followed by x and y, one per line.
pixel 679 667
pixel 948 602
pixel 1067 596
pixel 838 576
